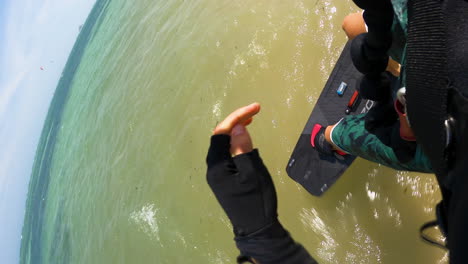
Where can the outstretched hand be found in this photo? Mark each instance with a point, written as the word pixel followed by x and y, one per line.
pixel 244 189
pixel 235 126
pixel 241 183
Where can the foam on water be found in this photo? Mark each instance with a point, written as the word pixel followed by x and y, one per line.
pixel 146 220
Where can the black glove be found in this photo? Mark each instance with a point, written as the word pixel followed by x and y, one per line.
pixel 245 191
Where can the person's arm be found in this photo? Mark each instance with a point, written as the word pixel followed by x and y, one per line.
pixel 369 50
pixel 245 190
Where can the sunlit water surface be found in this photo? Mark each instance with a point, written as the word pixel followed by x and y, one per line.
pixel 127 181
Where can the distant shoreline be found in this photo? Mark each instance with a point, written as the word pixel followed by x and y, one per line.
pixel 30 251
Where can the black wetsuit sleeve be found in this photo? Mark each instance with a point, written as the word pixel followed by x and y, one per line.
pixel 272 245
pixel 244 189
pixel 372 57
pixel 378 15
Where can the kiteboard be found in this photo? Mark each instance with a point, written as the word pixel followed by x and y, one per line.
pixel 314 171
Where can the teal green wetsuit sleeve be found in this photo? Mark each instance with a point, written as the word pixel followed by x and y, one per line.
pixel 351 136
pixel 399 30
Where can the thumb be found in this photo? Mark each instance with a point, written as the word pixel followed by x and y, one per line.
pixel 240 140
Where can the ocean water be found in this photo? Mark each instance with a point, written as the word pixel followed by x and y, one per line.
pixel 119 175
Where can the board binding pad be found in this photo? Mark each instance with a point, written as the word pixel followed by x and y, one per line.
pixel 314 171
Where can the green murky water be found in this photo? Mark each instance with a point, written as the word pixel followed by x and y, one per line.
pixel 120 173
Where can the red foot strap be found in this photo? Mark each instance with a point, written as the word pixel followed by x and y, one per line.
pixel 315 131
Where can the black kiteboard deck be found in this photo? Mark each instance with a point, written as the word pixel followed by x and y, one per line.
pixel 314 171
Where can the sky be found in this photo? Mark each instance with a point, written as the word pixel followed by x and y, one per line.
pixel 33 34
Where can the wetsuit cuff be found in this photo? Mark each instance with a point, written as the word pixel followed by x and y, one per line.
pixel 219 149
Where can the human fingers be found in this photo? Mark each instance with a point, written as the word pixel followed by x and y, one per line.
pixel 240 115
pixel 240 140
pixel 248 121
